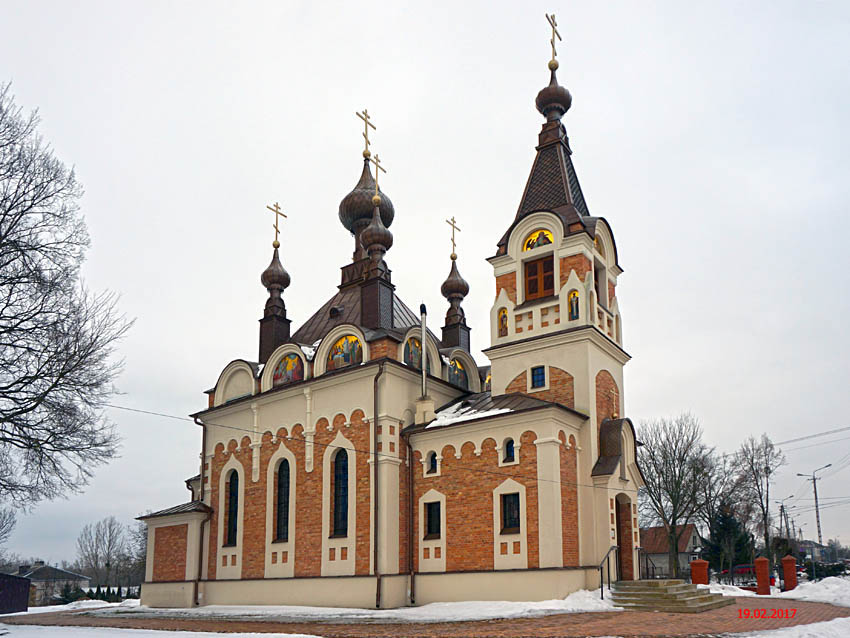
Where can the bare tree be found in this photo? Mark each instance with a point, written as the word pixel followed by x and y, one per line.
pixel 100 548
pixel 673 460
pixel 56 338
pixel 757 461
pixel 7 524
pixel 719 490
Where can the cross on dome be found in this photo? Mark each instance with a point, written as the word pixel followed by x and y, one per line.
pixel 278 213
pixel 366 124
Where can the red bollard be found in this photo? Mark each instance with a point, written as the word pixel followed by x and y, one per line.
pixel 789 571
pixel 762 576
pixel 699 572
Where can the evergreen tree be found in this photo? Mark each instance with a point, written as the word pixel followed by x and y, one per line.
pixel 729 542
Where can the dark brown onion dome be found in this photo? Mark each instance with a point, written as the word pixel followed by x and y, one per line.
pixel 275 276
pixel 554 100
pixel 454 285
pixel 454 289
pixel 355 209
pixel 376 236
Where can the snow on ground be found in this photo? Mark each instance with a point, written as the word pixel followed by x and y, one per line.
pixel 834 590
pixel 35 631
pixel 580 601
pixel 726 590
pixel 76 606
pixel 838 628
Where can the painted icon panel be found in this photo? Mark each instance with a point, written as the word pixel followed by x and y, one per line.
pixel 288 370
pixel 347 351
pixel 540 237
pixel 457 374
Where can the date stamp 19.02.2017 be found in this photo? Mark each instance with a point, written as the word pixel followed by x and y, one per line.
pixel 766 613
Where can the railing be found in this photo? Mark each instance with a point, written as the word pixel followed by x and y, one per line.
pixel 647 565
pixel 606 562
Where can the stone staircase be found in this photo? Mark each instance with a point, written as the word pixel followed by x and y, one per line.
pixel 666 595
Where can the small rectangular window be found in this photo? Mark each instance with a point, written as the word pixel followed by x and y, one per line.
pixel 510 513
pixel 432 520
pixel 538 377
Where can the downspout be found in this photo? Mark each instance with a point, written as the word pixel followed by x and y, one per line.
pixel 196 584
pixel 410 535
pixel 375 522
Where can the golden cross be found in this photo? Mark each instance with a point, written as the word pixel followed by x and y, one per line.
pixel 451 222
pixel 277 215
pixel 366 124
pixel 377 162
pixel 554 25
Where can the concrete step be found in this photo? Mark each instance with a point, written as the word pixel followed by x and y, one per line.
pixel 671 595
pixel 649 583
pixel 675 590
pixel 660 600
pixel 682 609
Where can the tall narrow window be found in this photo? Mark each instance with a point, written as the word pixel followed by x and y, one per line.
pixel 432 520
pixel 283 501
pixel 540 278
pixel 232 508
pixel 510 513
pixel 340 497
pixel 510 452
pixel 432 463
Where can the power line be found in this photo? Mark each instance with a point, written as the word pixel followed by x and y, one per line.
pixel 803 447
pixel 812 436
pixel 360 451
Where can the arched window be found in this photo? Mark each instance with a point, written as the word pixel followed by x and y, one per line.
pixel 599 247
pixel 510 456
pixel 457 374
pixel 288 369
pixel 347 351
pixel 340 494
pixel 503 322
pixel 432 463
pixel 572 299
pixel 539 237
pixel 283 501
pixel 232 508
pixel 413 354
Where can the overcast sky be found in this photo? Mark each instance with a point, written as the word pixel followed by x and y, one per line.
pixel 713 137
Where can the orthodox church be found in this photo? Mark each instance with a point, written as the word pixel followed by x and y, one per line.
pixel 363 460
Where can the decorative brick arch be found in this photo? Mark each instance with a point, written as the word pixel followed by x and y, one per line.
pixel 561 387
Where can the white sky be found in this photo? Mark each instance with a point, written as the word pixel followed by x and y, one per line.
pixel 712 136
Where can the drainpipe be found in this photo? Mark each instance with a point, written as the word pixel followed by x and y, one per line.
pixel 423 313
pixel 196 584
pixel 375 523
pixel 410 532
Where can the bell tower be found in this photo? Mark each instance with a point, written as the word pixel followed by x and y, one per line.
pixel 555 324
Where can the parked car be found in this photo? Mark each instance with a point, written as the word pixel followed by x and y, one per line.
pixel 741 570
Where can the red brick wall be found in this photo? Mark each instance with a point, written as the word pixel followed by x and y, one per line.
pixel 307 533
pixel 385 347
pixel 469 501
pixel 579 263
pixel 561 387
pixel 169 553
pixel 607 398
pixel 611 291
pixel 508 283
pixel 626 540
pixel 569 501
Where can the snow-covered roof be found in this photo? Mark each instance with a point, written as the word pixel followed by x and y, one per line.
pixel 483 405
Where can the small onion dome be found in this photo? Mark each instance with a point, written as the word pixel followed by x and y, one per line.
pixel 554 100
pixel 454 285
pixel 376 236
pixel 355 209
pixel 275 276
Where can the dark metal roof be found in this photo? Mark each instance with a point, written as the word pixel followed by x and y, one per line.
pixel 191 506
pixel 48 572
pixel 466 408
pixel 344 307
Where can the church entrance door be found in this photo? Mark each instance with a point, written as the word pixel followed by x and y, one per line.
pixel 625 538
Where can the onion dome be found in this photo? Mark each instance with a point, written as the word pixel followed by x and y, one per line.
pixel 377 240
pixel 275 276
pixel 355 209
pixel 454 289
pixel 554 100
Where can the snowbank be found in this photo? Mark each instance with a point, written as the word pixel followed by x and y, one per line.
pixel 580 601
pixel 838 628
pixel 726 590
pixel 78 605
pixel 34 631
pixel 834 590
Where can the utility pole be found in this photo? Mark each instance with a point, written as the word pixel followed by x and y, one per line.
pixel 814 481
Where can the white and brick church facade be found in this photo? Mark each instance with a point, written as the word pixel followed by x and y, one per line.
pixel 335 473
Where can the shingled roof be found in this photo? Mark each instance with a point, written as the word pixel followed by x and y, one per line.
pixel 653 540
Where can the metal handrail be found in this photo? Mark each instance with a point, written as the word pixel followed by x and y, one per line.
pixel 647 562
pixel 607 562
